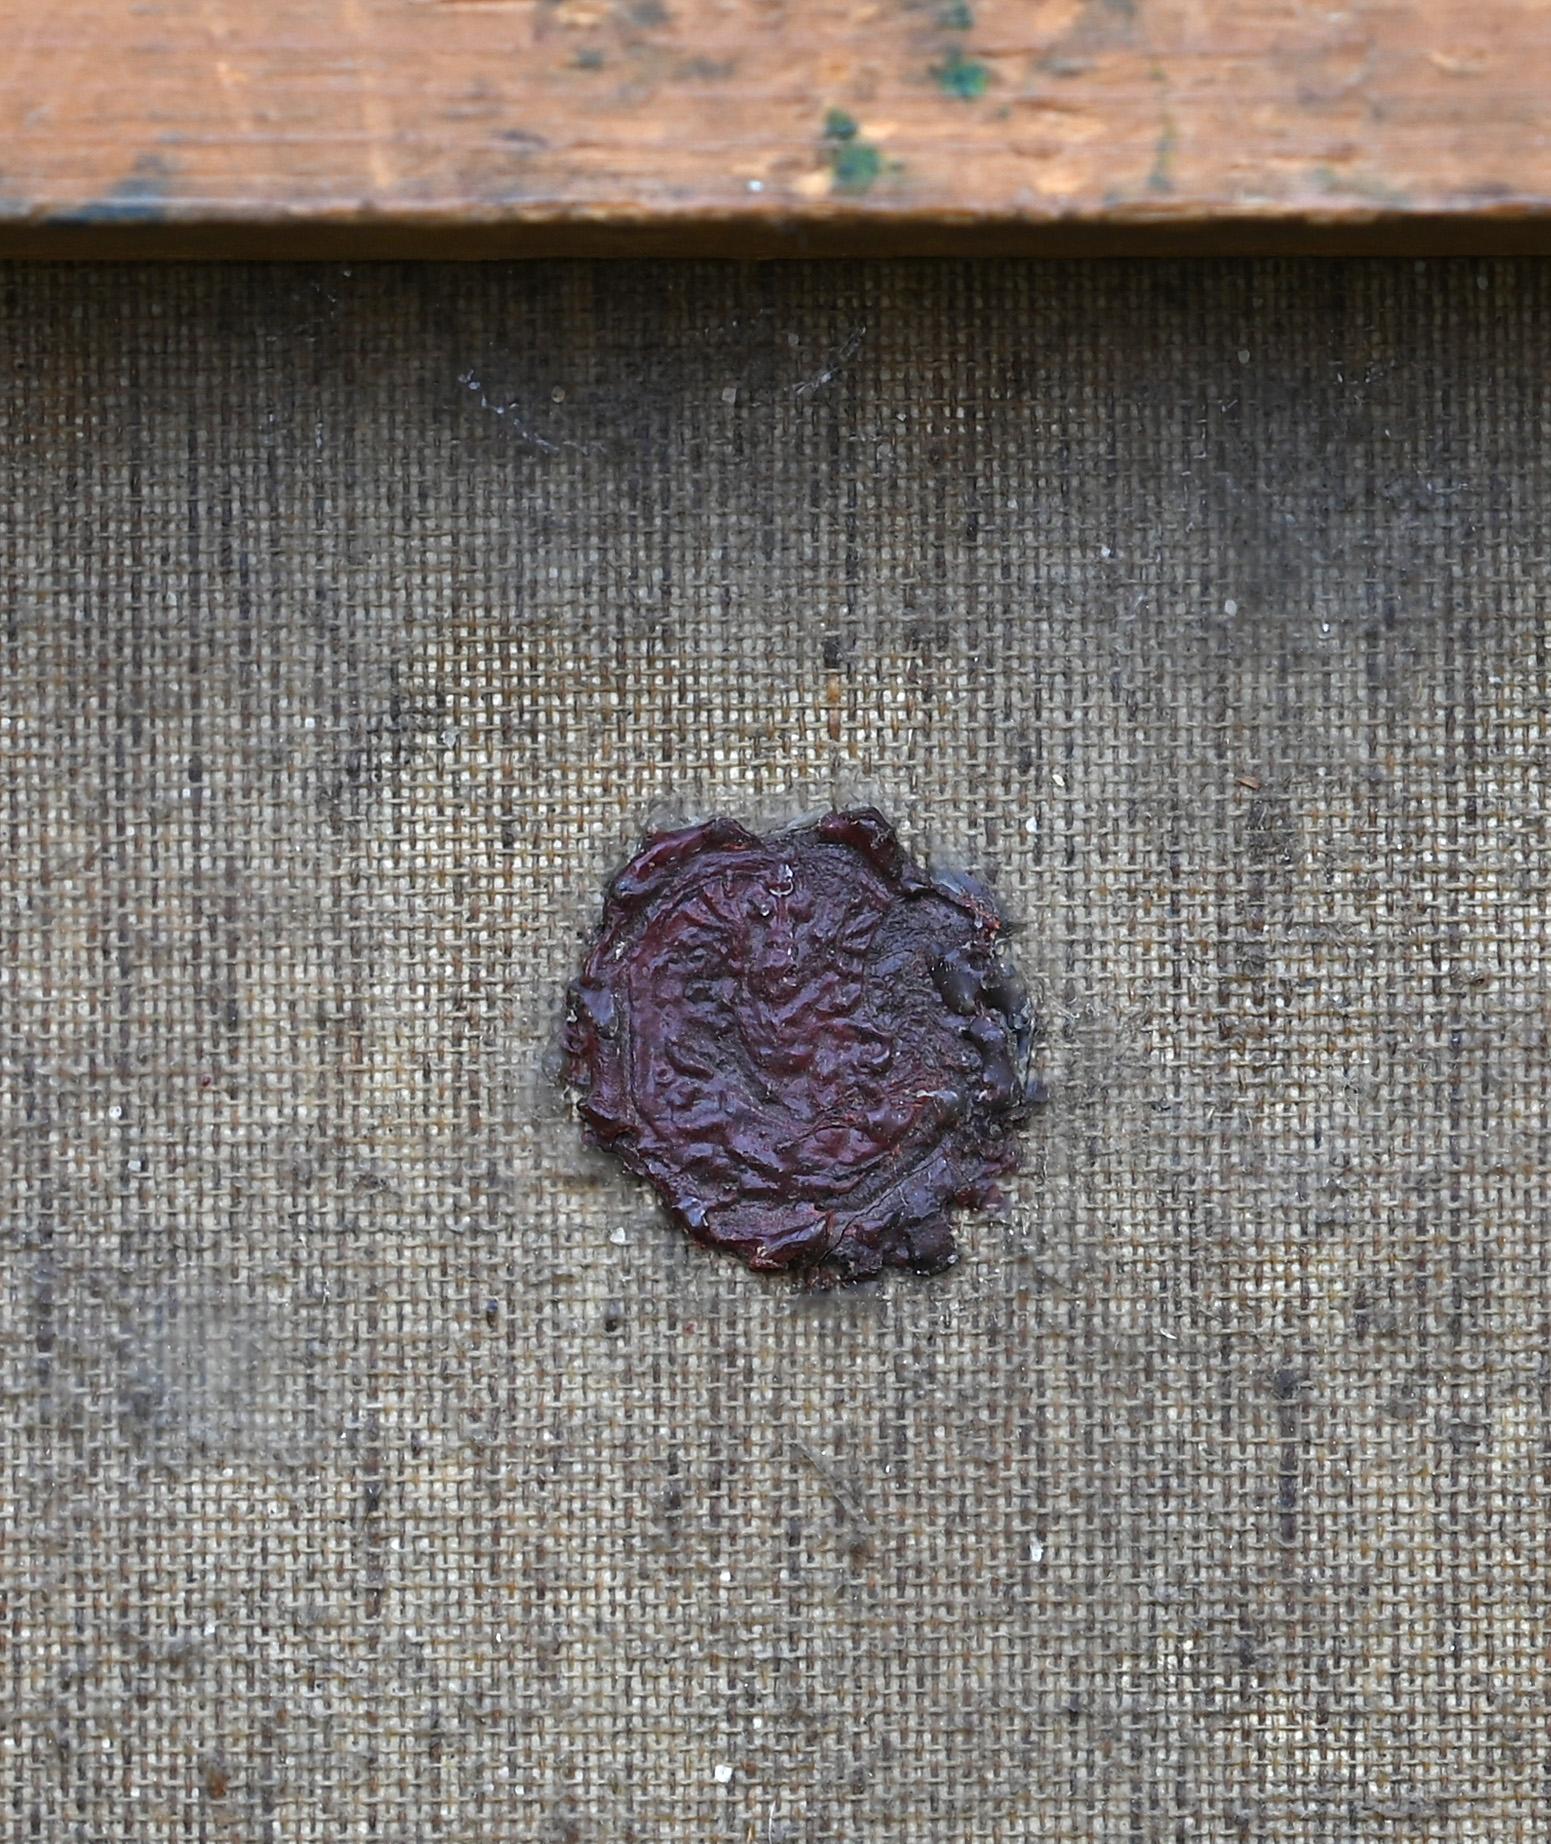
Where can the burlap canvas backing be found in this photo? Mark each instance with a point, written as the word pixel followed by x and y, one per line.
pixel 377 1464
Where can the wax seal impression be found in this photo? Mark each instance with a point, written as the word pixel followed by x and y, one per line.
pixel 812 1047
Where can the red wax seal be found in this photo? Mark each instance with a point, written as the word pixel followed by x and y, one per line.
pixel 810 1046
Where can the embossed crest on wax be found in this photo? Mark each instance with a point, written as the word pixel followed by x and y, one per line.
pixel 811 1046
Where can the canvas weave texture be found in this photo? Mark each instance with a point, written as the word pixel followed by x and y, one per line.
pixel 376 1462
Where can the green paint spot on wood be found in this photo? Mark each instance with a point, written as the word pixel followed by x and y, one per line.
pixel 1161 178
pixel 1370 190
pixel 854 163
pixel 962 77
pixel 704 70
pixel 856 166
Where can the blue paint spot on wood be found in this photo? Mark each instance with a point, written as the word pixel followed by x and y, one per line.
pixel 139 198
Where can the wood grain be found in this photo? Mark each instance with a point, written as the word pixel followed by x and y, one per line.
pixel 771 126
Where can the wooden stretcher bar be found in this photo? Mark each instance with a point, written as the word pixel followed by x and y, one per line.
pixel 771 127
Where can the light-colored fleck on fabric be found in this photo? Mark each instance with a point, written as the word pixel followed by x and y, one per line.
pixel 377 1464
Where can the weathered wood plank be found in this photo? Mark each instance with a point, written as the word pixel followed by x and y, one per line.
pixel 481 126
